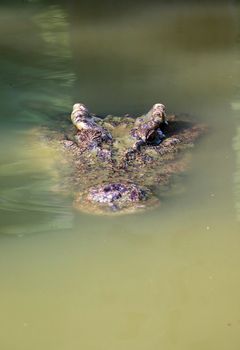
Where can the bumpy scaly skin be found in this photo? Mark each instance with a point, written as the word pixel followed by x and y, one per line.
pixel 147 130
pixel 89 131
pixel 114 198
pixel 114 161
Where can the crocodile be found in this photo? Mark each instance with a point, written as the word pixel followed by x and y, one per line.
pixel 120 165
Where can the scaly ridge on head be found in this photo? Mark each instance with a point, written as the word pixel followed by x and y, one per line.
pixel 79 113
pixel 158 111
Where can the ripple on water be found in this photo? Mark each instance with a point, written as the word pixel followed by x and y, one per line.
pixel 28 203
pixel 27 210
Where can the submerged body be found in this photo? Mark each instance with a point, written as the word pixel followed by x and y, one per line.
pixel 116 162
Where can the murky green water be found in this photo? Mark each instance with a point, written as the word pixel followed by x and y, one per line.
pixel 167 279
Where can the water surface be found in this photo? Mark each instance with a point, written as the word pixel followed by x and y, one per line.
pixel 168 278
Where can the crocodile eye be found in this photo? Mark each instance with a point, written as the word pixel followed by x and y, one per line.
pixel 151 136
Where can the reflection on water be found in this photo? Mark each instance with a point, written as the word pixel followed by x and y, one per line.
pixel 28 176
pixel 236 147
pixel 163 279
